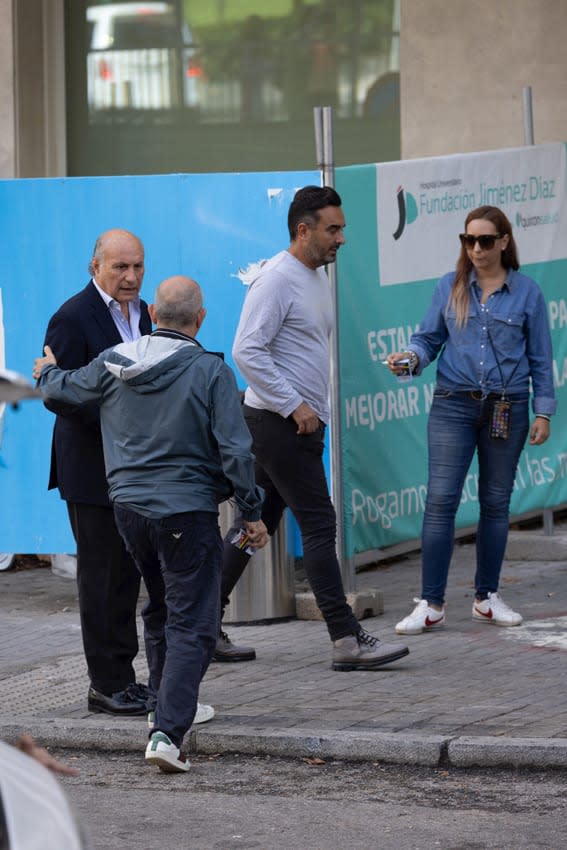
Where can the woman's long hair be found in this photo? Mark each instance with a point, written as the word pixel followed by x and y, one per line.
pixel 460 293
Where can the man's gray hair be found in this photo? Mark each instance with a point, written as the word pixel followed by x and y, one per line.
pixel 179 307
pixel 98 252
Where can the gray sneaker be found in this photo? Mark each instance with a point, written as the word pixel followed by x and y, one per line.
pixel 365 652
pixel 226 650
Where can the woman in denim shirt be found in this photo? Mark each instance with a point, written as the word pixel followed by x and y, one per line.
pixel 488 324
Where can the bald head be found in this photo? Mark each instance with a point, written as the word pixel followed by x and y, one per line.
pixel 178 305
pixel 116 239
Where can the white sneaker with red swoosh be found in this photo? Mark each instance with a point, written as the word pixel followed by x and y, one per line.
pixel 494 610
pixel 423 618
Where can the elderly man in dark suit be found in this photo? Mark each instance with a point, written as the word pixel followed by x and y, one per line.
pixel 108 311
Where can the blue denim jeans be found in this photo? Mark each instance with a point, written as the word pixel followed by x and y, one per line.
pixel 458 426
pixel 180 559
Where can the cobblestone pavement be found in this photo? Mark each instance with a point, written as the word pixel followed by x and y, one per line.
pixel 470 680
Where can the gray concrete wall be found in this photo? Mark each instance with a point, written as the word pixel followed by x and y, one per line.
pixel 7 135
pixel 463 65
pixel 32 88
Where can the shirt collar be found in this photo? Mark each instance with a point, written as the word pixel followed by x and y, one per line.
pixel 109 300
pixel 508 282
pixel 173 334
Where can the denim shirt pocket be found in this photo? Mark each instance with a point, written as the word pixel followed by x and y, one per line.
pixel 507 332
pixel 464 335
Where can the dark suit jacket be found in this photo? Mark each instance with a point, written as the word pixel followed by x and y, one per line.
pixel 77 333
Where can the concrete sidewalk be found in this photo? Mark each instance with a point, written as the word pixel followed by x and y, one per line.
pixel 471 694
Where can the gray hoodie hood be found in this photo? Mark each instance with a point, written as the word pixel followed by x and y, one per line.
pixel 151 363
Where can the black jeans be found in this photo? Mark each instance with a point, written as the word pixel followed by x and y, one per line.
pixel 108 584
pixel 290 469
pixel 180 559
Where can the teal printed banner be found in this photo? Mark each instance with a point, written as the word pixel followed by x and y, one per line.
pixel 403 221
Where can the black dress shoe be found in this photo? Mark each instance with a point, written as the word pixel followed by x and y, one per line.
pixel 138 690
pixel 128 702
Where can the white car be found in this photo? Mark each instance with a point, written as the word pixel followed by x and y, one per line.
pixel 34 811
pixel 140 58
pixel 7 560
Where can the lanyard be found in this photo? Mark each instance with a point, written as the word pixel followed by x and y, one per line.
pixel 488 318
pixel 511 375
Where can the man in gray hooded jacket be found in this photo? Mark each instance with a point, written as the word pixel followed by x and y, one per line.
pixel 175 445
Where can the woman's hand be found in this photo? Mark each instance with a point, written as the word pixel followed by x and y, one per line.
pixel 539 432
pixel 397 362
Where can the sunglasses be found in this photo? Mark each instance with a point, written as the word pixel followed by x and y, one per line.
pixel 486 242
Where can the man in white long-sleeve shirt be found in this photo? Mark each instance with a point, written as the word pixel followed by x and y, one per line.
pixel 282 349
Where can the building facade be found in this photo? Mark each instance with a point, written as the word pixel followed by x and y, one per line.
pixel 220 92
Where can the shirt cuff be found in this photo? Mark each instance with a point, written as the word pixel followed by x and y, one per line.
pixel 544 406
pixel 287 409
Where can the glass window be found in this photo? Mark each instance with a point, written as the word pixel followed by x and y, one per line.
pixel 209 85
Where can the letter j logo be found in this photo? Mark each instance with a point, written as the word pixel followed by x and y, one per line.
pixel 407 211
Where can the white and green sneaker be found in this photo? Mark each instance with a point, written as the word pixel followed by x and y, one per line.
pixel 161 752
pixel 203 714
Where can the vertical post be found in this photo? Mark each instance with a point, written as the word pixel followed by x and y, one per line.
pixel 318 121
pixel 528 116
pixel 177 73
pixel 529 140
pixel 323 118
pixel 548 522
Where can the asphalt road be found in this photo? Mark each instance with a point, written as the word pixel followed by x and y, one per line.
pixel 238 803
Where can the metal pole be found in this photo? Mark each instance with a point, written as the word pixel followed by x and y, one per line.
pixel 529 140
pixel 318 121
pixel 528 116
pixel 323 118
pixel 548 522
pixel 178 92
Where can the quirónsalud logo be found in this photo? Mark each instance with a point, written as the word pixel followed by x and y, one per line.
pixel 407 211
